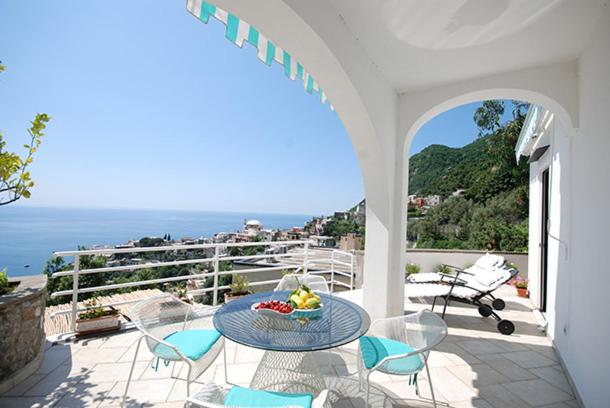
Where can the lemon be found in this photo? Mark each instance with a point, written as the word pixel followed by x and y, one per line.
pixel 312 303
pixel 304 295
pixel 296 299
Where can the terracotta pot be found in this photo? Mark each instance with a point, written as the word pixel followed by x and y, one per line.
pixel 522 292
pixel 102 324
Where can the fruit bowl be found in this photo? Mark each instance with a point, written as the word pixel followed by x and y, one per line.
pixel 307 313
pixel 306 303
pixel 273 309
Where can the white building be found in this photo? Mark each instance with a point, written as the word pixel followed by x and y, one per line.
pixel 253 227
pixel 433 200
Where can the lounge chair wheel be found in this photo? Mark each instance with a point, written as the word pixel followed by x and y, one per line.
pixel 506 327
pixel 485 310
pixel 498 304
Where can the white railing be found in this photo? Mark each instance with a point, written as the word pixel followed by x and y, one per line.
pixel 337 264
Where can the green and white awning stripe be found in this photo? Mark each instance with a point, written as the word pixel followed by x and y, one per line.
pixel 239 31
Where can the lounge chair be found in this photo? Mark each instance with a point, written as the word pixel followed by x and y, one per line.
pixel 174 332
pixel 400 346
pixel 213 396
pixel 294 280
pixel 484 264
pixel 470 289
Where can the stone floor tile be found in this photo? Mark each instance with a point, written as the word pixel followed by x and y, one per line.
pixel 22 387
pixel 479 347
pixel 554 377
pixel 122 340
pixel 140 392
pixel 501 397
pixel 507 368
pixel 85 394
pixel 57 382
pixel 457 354
pixel 438 359
pixel 53 357
pixel 529 359
pixel 473 403
pixel 107 372
pixel 478 375
pixel 87 355
pixel 450 386
pixel 27 402
pixel 538 392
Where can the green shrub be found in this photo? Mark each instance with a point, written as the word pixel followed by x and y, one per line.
pixel 4 285
pixel 412 268
pixel 442 268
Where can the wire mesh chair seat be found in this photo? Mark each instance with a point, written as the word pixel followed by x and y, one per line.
pixel 400 346
pixel 295 280
pixel 214 396
pixel 175 331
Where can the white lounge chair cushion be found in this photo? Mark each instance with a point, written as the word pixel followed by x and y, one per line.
pixel 415 290
pixel 425 277
pixel 492 278
pixel 485 263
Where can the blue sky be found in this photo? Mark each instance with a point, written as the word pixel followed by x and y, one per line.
pixel 153 109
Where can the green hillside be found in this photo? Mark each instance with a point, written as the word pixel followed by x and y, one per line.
pixel 491 214
pixel 483 168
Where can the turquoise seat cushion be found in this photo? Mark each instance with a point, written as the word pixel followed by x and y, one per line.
pixel 192 343
pixel 375 349
pixel 246 397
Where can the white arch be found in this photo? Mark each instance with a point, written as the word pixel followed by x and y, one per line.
pixel 516 94
pixel 553 87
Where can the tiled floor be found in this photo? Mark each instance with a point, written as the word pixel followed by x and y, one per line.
pixel 475 367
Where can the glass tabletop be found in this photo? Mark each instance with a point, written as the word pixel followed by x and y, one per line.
pixel 340 323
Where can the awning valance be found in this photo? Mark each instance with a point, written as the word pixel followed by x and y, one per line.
pixel 239 31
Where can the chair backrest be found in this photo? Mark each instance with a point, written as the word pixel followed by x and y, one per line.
pixel 486 263
pixel 293 281
pixel 422 331
pixel 159 317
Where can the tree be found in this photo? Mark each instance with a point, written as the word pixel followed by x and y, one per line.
pixel 487 117
pixel 15 179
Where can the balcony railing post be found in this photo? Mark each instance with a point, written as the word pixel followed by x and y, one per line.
pixel 351 272
pixel 216 270
pixel 305 256
pixel 332 271
pixel 75 293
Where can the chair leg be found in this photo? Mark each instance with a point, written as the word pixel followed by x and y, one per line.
pixel 188 382
pixel 224 355
pixel 368 388
pixel 430 383
pixel 445 307
pixel 133 364
pixel 433 304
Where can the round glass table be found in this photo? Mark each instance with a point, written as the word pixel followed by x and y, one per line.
pixel 341 322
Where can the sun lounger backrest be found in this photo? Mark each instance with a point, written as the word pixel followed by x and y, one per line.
pixel 494 277
pixel 486 263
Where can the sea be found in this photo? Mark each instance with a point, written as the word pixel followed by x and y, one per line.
pixel 30 235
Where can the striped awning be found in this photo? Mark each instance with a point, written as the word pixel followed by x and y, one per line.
pixel 238 31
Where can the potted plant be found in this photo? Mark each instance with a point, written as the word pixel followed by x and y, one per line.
pixel 6 286
pixel 412 268
pixel 520 283
pixel 97 319
pixel 240 286
pixel 181 292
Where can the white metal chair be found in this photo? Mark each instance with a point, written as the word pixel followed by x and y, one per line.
pixel 400 346
pixel 294 280
pixel 213 396
pixel 174 331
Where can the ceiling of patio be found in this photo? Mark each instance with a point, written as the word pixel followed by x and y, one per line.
pixel 418 44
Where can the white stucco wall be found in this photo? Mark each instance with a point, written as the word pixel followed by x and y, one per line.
pixel 584 291
pixel 557 160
